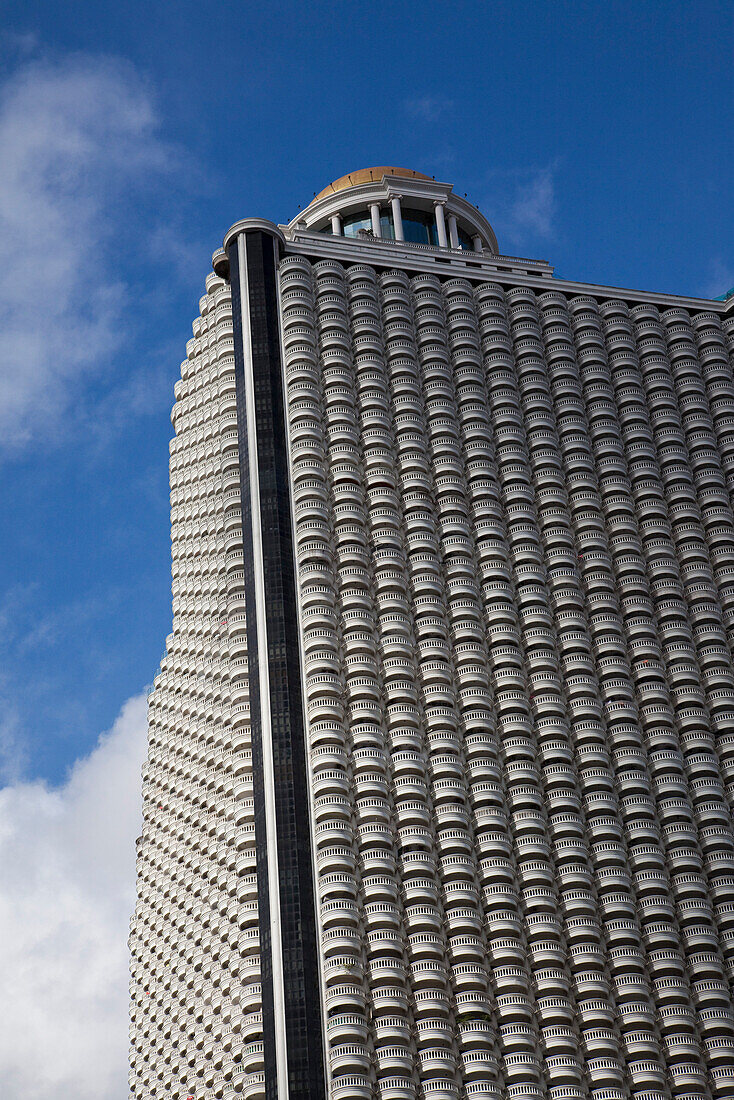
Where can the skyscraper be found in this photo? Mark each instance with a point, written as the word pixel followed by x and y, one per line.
pixel 438 799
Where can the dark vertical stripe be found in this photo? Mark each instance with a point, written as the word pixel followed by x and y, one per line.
pixel 297 903
pixel 261 862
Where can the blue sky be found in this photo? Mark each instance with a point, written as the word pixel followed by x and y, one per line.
pixel 594 135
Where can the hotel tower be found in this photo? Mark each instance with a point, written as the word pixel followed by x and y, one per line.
pixel 439 787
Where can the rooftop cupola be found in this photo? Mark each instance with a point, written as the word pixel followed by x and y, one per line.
pixel 398 204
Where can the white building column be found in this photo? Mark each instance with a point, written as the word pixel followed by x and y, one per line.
pixel 477 242
pixel 453 231
pixel 336 225
pixel 440 225
pixel 375 215
pixel 397 217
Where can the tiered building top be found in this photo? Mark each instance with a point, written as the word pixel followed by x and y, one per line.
pixel 398 204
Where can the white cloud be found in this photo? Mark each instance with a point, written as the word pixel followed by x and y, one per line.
pixel 78 138
pixel 428 108
pixel 13 751
pixel 720 279
pixel 21 43
pixel 521 204
pixel 67 866
pixel 534 203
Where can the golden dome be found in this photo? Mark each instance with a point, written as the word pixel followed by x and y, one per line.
pixel 369 175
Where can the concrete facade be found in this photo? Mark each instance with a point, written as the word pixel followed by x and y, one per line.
pixel 438 799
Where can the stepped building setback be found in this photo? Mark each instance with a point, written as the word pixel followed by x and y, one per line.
pixel 438 796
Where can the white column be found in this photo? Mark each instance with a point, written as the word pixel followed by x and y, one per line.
pixel 440 225
pixel 336 225
pixel 397 217
pixel 375 214
pixel 453 231
pixel 477 242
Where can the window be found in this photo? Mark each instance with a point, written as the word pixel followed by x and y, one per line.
pixel 352 223
pixel 419 227
pixel 465 241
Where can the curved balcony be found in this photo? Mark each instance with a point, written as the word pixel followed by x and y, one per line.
pixel 487 1090
pixel 390 999
pixel 391 1030
pixel 351 1087
pixel 396 1088
pixel 438 1089
pixel 349 1058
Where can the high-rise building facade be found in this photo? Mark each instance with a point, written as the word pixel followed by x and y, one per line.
pixel 438 798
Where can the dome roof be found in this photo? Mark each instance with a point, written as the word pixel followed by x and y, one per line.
pixel 368 175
